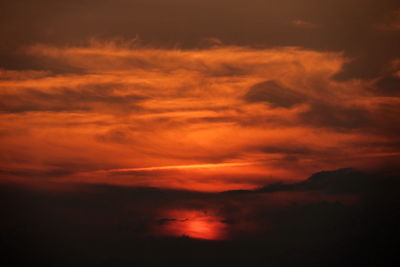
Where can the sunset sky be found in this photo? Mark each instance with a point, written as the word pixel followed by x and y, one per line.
pixel 282 92
pixel 204 96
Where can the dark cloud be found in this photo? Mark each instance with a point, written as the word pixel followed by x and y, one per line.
pixel 274 94
pixel 391 23
pixel 287 148
pixel 119 136
pixel 56 99
pixel 331 112
pixel 388 85
pixel 336 116
pixel 37 174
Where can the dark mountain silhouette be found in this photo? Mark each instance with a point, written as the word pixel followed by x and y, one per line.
pixel 340 181
pixel 101 225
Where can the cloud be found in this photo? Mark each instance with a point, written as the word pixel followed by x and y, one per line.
pixel 136 107
pixel 391 23
pixel 112 149
pixel 83 98
pixel 389 82
pixel 274 94
pixel 388 86
pixel 304 24
pixel 338 29
pixel 342 117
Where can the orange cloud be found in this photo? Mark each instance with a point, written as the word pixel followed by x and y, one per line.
pixel 139 109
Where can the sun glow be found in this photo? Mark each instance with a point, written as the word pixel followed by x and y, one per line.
pixel 193 224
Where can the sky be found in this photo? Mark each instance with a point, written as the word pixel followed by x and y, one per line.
pixel 221 105
pixel 271 91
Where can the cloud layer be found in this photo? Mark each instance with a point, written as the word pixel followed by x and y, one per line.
pixel 124 106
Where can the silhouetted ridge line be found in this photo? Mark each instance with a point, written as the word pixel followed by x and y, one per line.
pixel 340 181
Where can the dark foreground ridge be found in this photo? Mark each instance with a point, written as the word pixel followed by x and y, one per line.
pixel 341 181
pixel 99 225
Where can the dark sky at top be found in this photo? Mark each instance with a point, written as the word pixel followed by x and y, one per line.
pixel 364 30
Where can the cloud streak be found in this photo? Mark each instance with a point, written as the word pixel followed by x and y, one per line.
pixel 182 167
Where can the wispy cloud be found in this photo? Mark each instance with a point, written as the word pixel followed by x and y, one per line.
pixel 304 24
pixel 176 113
